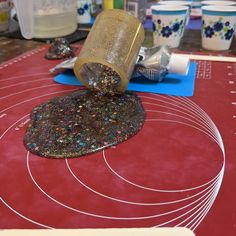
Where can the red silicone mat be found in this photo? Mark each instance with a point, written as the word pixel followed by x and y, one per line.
pixel 179 170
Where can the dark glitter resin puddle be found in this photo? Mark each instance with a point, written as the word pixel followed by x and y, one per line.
pixel 83 122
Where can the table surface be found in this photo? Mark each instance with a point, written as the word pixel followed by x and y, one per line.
pixel 30 83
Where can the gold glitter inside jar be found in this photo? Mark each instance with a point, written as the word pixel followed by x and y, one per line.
pixel 109 54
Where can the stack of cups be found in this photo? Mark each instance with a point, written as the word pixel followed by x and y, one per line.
pixel 168 24
pixel 218 24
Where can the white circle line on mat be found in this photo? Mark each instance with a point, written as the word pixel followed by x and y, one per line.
pixel 24 217
pixel 139 203
pixel 34 98
pixel 105 216
pixel 25 82
pixel 28 90
pixel 24 76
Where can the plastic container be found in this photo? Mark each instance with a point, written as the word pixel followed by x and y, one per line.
pixel 5 6
pixel 113 43
pixel 108 4
pixel 137 8
pixel 46 18
pixel 119 4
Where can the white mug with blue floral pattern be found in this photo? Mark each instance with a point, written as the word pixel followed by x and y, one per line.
pixel 168 24
pixel 84 11
pixel 218 3
pixel 218 26
pixel 179 3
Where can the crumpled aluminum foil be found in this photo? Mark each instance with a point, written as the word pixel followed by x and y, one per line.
pixel 151 64
pixel 59 49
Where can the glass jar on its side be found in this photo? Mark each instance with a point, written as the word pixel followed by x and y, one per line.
pixel 109 54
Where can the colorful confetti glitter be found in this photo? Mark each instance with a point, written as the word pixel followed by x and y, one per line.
pixel 83 122
pixel 59 49
pixel 101 78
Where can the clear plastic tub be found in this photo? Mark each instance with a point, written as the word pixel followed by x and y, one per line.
pixel 46 18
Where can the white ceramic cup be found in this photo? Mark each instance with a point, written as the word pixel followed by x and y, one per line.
pixel 168 24
pixel 218 3
pixel 196 8
pixel 218 25
pixel 196 5
pixel 179 3
pixel 84 11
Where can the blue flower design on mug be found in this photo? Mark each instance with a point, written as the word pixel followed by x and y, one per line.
pixel 229 34
pixel 81 11
pixel 153 27
pixel 227 23
pixel 218 28
pixel 174 28
pixel 86 6
pixel 166 31
pixel 209 32
pixel 83 8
